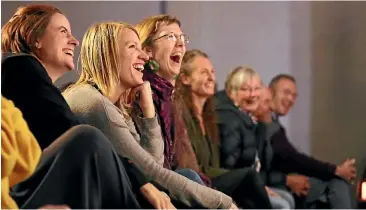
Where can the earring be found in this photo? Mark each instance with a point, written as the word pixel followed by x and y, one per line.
pixel 152 64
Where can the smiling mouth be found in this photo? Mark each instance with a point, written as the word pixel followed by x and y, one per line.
pixel 69 52
pixel 138 67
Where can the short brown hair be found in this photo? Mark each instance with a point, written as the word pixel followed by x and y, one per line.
pixel 277 78
pixel 148 27
pixel 27 25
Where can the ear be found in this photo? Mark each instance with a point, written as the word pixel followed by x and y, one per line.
pixel 148 51
pixel 37 45
pixel 185 80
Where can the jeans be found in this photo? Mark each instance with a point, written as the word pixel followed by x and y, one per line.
pixel 286 201
pixel 190 174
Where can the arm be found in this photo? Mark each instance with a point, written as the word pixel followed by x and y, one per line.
pixel 295 161
pixel 230 142
pixel 105 116
pixel 26 83
pixel 151 137
pixel 20 152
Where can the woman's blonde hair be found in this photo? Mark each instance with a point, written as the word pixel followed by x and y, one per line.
pixel 99 56
pixel 237 77
pixel 148 27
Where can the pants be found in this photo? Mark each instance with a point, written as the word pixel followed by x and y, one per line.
pixel 190 174
pixel 80 169
pixel 335 193
pixel 245 186
pixel 286 201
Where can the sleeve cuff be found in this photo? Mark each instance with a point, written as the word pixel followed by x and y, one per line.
pixel 149 123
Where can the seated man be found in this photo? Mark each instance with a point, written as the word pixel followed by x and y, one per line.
pixel 318 181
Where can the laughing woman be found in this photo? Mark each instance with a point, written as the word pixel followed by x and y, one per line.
pixel 163 40
pixel 112 63
pixel 197 121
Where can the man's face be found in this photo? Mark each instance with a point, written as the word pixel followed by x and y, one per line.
pixel 284 96
pixel 265 102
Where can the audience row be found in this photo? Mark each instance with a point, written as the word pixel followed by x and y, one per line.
pixel 143 127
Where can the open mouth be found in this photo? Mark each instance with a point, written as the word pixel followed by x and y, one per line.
pixel 69 52
pixel 176 57
pixel 138 67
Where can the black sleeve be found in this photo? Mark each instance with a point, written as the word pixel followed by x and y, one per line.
pixel 292 160
pixel 27 84
pixel 230 137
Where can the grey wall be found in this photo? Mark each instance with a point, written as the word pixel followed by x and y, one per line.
pixel 321 43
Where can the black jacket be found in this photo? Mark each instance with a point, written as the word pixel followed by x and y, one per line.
pixel 241 139
pixel 237 134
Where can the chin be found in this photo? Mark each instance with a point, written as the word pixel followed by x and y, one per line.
pixel 174 71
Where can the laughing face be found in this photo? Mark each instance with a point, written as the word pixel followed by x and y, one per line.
pixel 202 79
pixel 284 96
pixel 168 50
pixel 249 93
pixel 132 59
pixel 56 47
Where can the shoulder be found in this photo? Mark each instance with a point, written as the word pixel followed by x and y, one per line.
pixel 18 62
pixel 87 101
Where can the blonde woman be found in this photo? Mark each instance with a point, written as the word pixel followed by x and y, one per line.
pixel 111 68
pixel 245 142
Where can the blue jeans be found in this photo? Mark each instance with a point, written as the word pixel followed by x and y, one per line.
pixel 335 192
pixel 190 174
pixel 285 201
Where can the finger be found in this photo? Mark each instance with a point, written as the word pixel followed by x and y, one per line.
pixel 170 205
pixel 353 161
pixel 164 204
pixel 134 94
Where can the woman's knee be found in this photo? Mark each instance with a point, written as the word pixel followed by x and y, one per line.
pixel 86 138
pixel 279 203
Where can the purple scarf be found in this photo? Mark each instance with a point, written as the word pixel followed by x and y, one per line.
pixel 162 91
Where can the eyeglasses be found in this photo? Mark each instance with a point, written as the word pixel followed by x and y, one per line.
pixel 173 37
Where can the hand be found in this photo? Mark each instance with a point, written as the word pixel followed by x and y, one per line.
pixel 265 117
pixel 298 184
pixel 143 94
pixel 55 207
pixel 347 170
pixel 233 207
pixel 155 197
pixel 271 192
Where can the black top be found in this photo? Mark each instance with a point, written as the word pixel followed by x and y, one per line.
pixel 288 159
pixel 237 134
pixel 25 81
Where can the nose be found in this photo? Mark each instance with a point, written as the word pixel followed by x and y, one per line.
pixel 291 98
pixel 143 56
pixel 211 77
pixel 74 41
pixel 180 43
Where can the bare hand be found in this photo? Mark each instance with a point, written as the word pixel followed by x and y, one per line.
pixel 271 192
pixel 347 170
pixel 233 207
pixel 143 94
pixel 298 184
pixel 54 207
pixel 155 197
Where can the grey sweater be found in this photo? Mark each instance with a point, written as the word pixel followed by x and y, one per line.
pixel 145 151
